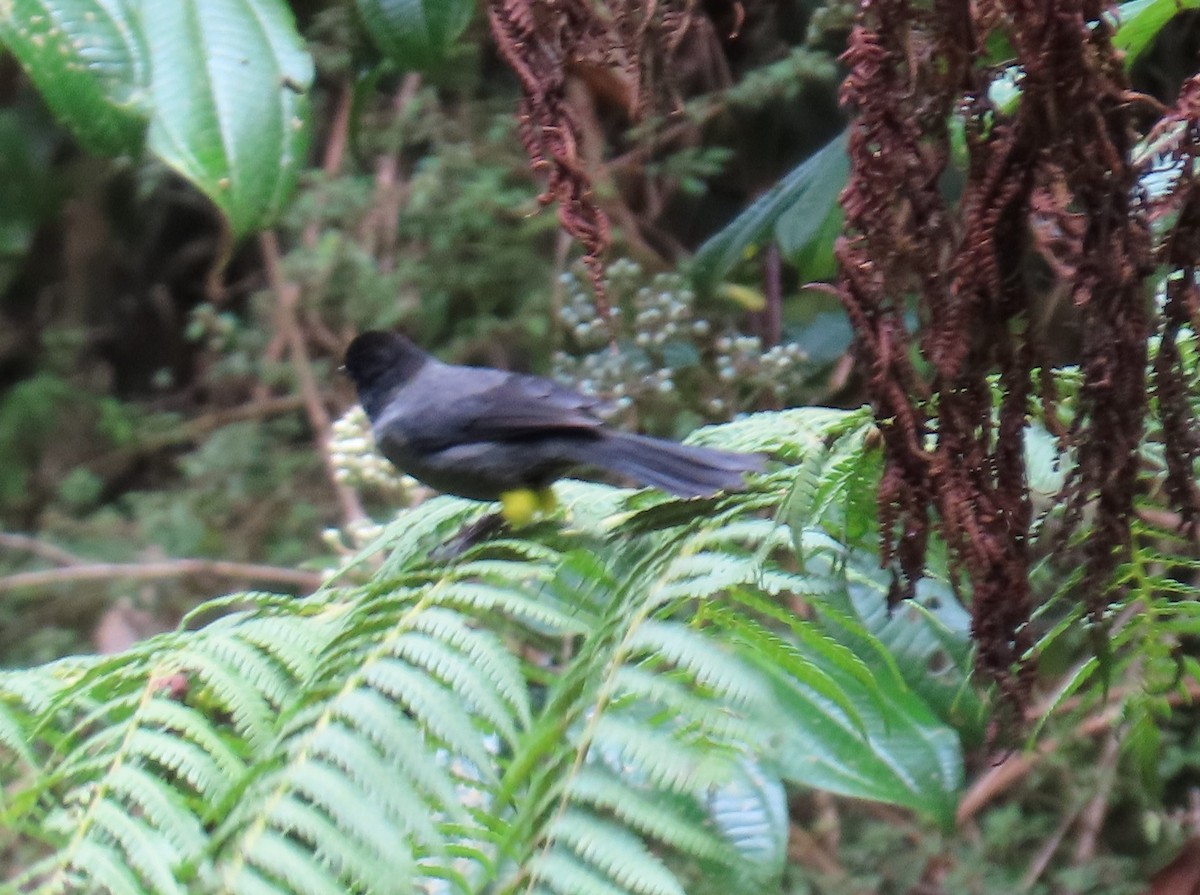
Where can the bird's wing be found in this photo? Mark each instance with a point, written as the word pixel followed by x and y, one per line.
pixel 449 406
pixel 521 406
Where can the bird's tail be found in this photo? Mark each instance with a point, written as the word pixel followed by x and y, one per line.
pixel 678 469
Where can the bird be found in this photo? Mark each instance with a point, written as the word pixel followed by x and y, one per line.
pixel 489 434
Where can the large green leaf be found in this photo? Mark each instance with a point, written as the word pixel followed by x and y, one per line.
pixel 415 33
pixel 800 212
pixel 89 60
pixel 230 101
pixel 893 750
pixel 927 640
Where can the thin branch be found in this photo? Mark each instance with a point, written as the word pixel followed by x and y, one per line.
pixel 771 317
pixel 1046 853
pixel 196 428
pixel 214 279
pixel 807 850
pixel 48 552
pixel 1089 816
pixel 339 131
pixel 287 298
pixel 1164 519
pixel 1092 818
pixel 379 227
pixel 171 568
pixel 1001 776
pixel 1015 766
pixel 335 151
pixel 331 164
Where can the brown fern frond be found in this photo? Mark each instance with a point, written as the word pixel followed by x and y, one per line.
pixel 1049 184
pixel 624 46
pixel 1178 252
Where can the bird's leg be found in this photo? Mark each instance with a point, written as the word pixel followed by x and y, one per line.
pixel 517 508
pixel 470 535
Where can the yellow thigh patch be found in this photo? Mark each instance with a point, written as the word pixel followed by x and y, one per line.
pixel 520 506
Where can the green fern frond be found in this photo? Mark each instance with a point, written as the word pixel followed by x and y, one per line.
pixel 606 701
pixel 598 789
pixel 790 434
pixel 704 662
pixel 616 859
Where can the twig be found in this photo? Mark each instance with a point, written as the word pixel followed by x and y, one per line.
pixel 1167 519
pixel 331 164
pixel 1090 818
pixel 1003 775
pixel 255 410
pixel 287 298
pixel 828 826
pixel 1044 855
pixel 214 278
pixel 196 428
pixel 171 568
pixel 380 226
pixel 48 552
pixel 339 131
pixel 772 314
pixel 807 850
pixel 1007 772
pixel 591 144
pixel 1093 814
pixel 335 151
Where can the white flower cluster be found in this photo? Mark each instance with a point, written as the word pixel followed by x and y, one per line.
pixel 346 542
pixel 667 355
pixel 778 369
pixel 357 463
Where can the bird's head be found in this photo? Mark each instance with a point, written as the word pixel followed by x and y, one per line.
pixel 380 362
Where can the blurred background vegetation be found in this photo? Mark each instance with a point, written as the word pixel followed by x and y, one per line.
pixel 148 405
pixel 165 388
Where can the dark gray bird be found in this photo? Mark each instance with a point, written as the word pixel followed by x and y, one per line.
pixel 485 434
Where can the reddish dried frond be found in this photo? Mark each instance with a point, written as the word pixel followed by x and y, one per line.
pixel 898 238
pixel 1049 187
pixel 1177 137
pixel 622 48
pixel 537 39
pixel 1074 92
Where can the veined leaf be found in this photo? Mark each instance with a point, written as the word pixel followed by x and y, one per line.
pixel 802 208
pixel 1139 21
pixel 229 90
pixel 906 756
pixel 89 60
pixel 926 639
